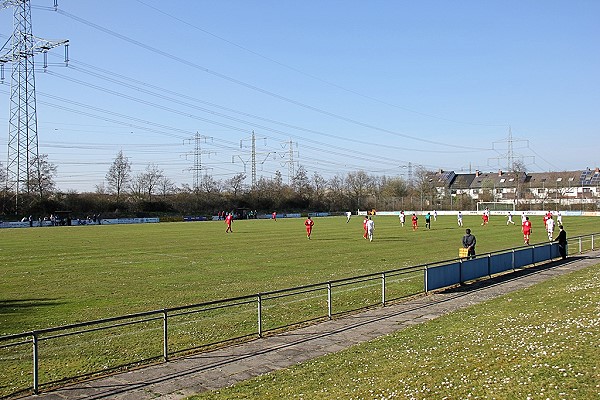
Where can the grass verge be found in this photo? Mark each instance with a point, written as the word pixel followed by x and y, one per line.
pixel 538 343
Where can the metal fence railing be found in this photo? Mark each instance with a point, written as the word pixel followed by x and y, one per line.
pixel 48 357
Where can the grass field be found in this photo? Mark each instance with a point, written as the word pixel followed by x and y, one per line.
pixel 61 275
pixel 538 343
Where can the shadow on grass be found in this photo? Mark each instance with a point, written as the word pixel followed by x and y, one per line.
pixel 23 305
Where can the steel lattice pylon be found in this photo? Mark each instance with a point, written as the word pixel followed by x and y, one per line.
pixel 23 169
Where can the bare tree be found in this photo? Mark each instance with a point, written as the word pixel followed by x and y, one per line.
pixel 300 181
pixel 165 186
pixel 43 183
pixel 210 185
pixel 118 175
pixel 319 186
pixel 236 183
pixel 152 176
pixel 424 186
pixel 359 185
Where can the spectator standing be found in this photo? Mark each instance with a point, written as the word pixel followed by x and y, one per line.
pixel 469 242
pixel 562 242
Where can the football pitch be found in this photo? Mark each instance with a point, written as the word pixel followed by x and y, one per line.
pixel 53 276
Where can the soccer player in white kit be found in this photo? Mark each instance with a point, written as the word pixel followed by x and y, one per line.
pixel 509 220
pixel 370 229
pixel 459 219
pixel 550 228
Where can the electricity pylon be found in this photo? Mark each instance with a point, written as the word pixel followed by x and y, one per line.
pixel 198 167
pixel 22 166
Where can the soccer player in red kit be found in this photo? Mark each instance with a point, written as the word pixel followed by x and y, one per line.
pixel 309 224
pixel 366 220
pixel 228 220
pixel 415 222
pixel 274 216
pixel 526 230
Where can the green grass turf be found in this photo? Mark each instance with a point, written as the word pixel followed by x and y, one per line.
pixel 54 276
pixel 60 275
pixel 537 343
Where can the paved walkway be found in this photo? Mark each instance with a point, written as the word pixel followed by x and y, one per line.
pixel 215 369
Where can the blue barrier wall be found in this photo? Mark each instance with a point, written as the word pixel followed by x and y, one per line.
pixel 501 262
pixel 474 268
pixel 436 278
pixel 456 272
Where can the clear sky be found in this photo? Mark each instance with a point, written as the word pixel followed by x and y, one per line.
pixel 373 85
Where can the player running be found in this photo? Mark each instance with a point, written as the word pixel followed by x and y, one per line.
pixel 509 219
pixel 309 225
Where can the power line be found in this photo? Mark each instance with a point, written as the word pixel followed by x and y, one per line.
pixel 253 87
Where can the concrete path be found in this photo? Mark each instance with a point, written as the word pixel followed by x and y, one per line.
pixel 216 369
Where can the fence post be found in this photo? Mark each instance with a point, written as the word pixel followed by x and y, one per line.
pixel 592 241
pixel 329 300
pixel 426 279
pixel 580 247
pixel 35 363
pixel 513 259
pixel 489 265
pixel 259 305
pixel 383 288
pixel 165 336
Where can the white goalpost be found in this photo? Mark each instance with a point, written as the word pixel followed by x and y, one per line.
pixel 495 206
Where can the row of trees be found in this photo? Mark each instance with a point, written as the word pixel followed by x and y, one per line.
pixel 123 193
pixel 150 193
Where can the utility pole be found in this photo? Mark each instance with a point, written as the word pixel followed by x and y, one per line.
pixel 197 168
pixel 253 155
pixel 23 167
pixel 509 156
pixel 290 162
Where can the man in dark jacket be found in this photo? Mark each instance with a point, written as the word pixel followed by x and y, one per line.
pixel 562 242
pixel 468 242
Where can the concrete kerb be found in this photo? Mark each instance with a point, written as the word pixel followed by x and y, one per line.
pixel 185 376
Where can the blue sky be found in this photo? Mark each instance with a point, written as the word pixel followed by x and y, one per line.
pixel 371 85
